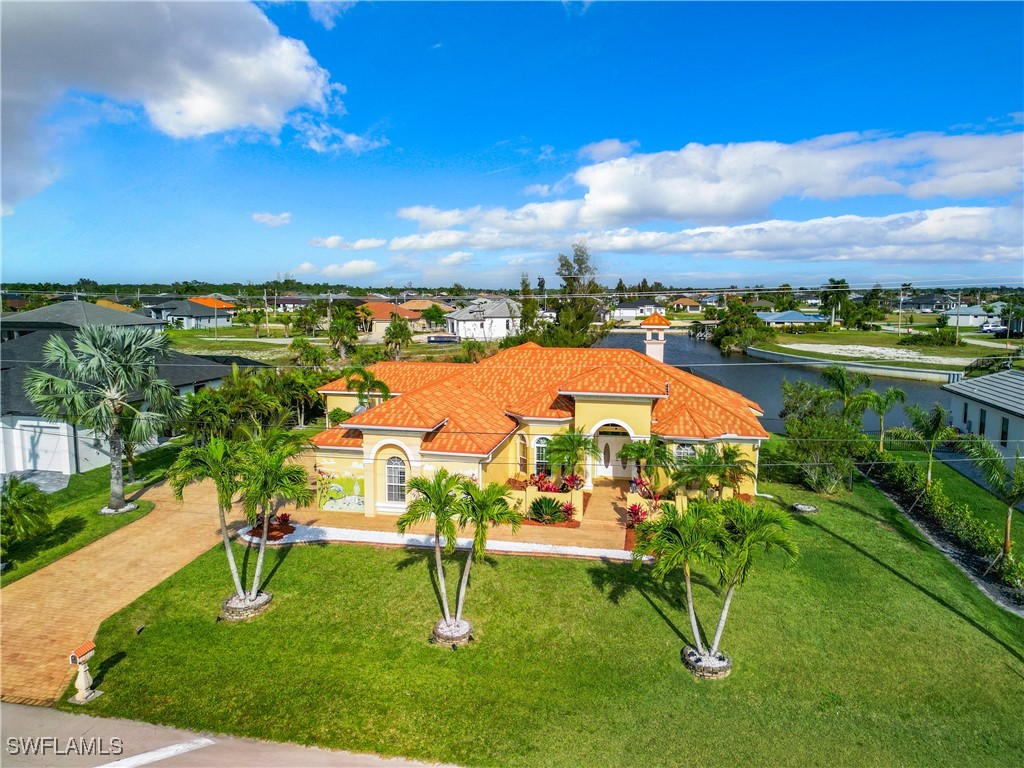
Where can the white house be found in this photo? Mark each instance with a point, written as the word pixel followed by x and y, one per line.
pixel 972 316
pixel 191 315
pixel 635 309
pixel 991 406
pixel 489 321
pixel 30 442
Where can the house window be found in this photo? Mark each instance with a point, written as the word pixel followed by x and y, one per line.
pixel 965 413
pixel 981 422
pixel 523 462
pixel 685 451
pixel 540 454
pixel 1004 432
pixel 394 479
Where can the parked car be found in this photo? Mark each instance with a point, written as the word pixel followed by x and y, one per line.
pixel 992 327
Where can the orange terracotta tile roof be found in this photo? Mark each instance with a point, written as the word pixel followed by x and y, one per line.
pixel 657 320
pixel 402 376
pixel 465 408
pixel 382 310
pixel 418 305
pixel 685 302
pixel 338 437
pixel 209 301
pixel 112 305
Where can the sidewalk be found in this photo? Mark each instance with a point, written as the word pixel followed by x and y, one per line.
pixel 48 613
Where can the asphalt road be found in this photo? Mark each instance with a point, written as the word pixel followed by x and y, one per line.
pixel 128 744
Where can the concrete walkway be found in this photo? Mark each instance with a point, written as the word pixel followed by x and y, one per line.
pixel 144 744
pixel 48 613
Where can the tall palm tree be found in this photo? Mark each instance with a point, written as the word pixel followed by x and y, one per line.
pixel 699 469
pixel 734 469
pixel 365 317
pixel 1006 484
pixel 570 448
pixel 397 335
pixel 651 455
pixel 834 297
pixel 24 511
pixel 748 530
pixel 343 333
pixel 439 499
pixel 271 479
pixel 483 508
pixel 206 415
pixel 845 387
pixel 928 430
pixel 364 383
pixel 105 374
pixel 215 460
pixel 881 404
pixel 678 540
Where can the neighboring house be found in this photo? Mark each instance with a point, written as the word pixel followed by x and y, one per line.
pixel 113 305
pixel 68 315
pixel 991 406
pixel 418 305
pixel 807 299
pixel 486 321
pixel 491 421
pixel 30 442
pixel 762 304
pixel 685 304
pixel 287 303
pixel 930 302
pixel 380 317
pixel 635 309
pixel 190 315
pixel 973 316
pixel 215 302
pixel 712 300
pixel 790 317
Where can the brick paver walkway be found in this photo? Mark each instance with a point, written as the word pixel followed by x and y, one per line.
pixel 48 613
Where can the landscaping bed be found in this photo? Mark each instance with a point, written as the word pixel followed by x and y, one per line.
pixel 873 650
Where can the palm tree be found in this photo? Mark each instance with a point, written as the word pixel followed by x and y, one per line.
pixel 678 540
pixel 483 508
pixel 749 529
pixel 651 455
pixel 216 460
pixel 927 431
pixel 570 448
pixel 24 511
pixel 365 317
pixel 206 416
pixel 1006 484
pixel 364 383
pixel 271 479
pixel 844 387
pixel 104 375
pixel 734 468
pixel 834 296
pixel 343 331
pixel 439 499
pixel 698 469
pixel 397 335
pixel 881 404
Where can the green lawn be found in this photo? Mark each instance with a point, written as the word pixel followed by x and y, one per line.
pixel 873 650
pixel 983 503
pixel 75 519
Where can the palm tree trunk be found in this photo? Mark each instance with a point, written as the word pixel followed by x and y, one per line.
pixel 928 480
pixel 462 587
pixel 722 618
pixel 694 626
pixel 116 470
pixel 439 564
pixel 259 560
pixel 881 433
pixel 230 553
pixel 1006 538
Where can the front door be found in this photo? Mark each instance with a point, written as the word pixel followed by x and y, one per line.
pixel 607 464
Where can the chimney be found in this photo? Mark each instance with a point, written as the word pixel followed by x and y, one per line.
pixel 654 345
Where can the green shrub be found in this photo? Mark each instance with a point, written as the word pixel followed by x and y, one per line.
pixel 941 337
pixel 547 510
pixel 338 415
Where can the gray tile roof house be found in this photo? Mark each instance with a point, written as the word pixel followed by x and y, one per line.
pixel 505 308
pixel 1003 390
pixel 68 315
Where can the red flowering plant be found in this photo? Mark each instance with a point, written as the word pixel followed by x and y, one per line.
pixel 572 482
pixel 568 509
pixel 542 483
pixel 635 515
pixel 284 518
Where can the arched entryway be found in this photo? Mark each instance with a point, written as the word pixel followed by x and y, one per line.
pixel 610 438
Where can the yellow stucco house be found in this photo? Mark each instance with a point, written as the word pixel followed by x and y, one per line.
pixel 491 420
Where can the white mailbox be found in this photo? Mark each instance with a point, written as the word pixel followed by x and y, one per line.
pixel 83 653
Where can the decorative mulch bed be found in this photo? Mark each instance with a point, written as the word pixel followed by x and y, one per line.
pixel 566 524
pixel 275 532
pixel 630 540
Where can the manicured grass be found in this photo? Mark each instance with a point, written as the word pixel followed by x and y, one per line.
pixel 965 490
pixel 873 650
pixel 75 520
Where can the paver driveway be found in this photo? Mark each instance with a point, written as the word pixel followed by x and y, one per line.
pixel 48 613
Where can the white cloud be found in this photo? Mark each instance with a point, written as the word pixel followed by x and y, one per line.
pixel 272 219
pixel 337 242
pixel 194 68
pixel 352 269
pixel 305 268
pixel 327 12
pixel 456 258
pixel 608 149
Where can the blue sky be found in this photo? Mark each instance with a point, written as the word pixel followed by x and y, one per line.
pixel 385 143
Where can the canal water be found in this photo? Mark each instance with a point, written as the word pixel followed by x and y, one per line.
pixel 761 380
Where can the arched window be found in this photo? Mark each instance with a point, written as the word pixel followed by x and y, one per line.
pixel 523 459
pixel 540 452
pixel 394 479
pixel 685 451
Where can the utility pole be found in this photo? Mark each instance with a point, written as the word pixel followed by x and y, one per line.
pixel 899 316
pixel 959 303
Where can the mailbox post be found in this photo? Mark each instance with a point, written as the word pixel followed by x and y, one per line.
pixel 80 658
